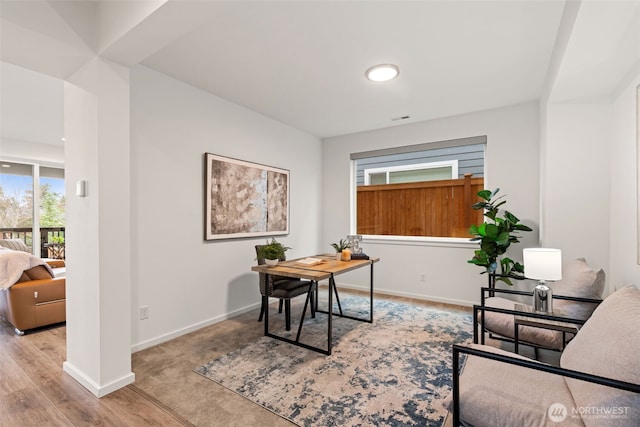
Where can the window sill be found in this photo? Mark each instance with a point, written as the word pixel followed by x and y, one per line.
pixel 446 242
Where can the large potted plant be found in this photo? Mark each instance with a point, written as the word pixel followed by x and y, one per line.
pixel 495 235
pixel 272 252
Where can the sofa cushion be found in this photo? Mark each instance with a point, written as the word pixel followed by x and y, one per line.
pixel 608 345
pixel 578 280
pixel 487 383
pixel 14 244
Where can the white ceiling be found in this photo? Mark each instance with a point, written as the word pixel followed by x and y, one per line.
pixel 303 62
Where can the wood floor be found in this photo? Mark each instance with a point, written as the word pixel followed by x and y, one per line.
pixel 34 390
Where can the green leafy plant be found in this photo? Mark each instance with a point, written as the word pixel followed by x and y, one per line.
pixel 341 245
pixel 495 236
pixel 272 250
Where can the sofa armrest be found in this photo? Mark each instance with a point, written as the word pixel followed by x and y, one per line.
pixel 526 364
pixel 484 291
pixel 479 311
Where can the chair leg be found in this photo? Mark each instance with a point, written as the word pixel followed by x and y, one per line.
pixel 280 306
pixel 313 302
pixel 262 309
pixel 287 313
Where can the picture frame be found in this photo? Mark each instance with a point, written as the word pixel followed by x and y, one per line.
pixel 244 199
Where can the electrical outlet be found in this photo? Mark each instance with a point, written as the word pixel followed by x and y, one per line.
pixel 423 277
pixel 144 312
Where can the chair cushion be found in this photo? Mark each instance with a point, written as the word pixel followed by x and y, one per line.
pixel 608 345
pixel 14 244
pixel 578 280
pixel 290 288
pixel 502 324
pixel 516 396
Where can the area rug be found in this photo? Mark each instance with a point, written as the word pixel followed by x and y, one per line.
pixel 394 372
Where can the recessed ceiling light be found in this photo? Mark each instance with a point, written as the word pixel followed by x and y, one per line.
pixel 4 165
pixel 382 72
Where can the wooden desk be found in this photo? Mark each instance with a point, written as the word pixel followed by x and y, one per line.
pixel 327 270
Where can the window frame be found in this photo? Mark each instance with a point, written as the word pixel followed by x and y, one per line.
pixel 417 166
pixel 433 241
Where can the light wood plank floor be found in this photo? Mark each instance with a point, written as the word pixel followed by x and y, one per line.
pixel 34 391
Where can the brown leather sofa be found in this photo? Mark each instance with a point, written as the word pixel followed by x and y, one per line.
pixel 36 300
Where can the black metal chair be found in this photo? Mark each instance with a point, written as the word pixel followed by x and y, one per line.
pixel 285 288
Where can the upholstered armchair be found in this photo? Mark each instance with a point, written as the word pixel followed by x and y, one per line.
pixel 284 288
pixel 575 296
pixel 597 383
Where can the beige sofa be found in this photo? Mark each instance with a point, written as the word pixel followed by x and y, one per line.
pixel 498 388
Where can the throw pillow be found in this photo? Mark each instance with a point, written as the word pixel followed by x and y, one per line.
pixel 608 345
pixel 14 244
pixel 578 280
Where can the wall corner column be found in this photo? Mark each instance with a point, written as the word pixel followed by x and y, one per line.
pixel 98 234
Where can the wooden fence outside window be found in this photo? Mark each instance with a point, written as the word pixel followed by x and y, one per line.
pixel 431 208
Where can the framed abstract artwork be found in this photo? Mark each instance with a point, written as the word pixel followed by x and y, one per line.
pixel 244 199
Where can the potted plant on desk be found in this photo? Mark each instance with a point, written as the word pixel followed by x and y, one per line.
pixel 272 252
pixel 342 250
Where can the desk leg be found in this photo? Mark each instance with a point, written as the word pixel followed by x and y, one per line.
pixel 265 304
pixel 304 310
pixel 332 284
pixel 371 295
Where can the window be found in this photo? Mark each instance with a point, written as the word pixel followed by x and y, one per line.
pixel 421 190
pixel 412 173
pixel 23 186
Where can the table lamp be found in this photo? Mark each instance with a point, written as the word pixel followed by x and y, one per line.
pixel 542 264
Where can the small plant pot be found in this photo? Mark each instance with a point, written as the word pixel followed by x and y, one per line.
pixel 271 262
pixel 338 256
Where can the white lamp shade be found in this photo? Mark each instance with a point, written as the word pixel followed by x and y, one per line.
pixel 542 263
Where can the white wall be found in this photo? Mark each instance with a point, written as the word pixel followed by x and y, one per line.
pixel 511 164
pixel 577 182
pixel 187 282
pixel 623 225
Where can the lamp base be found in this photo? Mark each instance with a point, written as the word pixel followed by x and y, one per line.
pixel 543 298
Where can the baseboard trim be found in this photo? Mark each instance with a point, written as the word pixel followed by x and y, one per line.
pixel 96 389
pixel 196 326
pixel 191 328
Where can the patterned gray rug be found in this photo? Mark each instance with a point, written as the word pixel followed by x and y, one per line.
pixel 394 372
